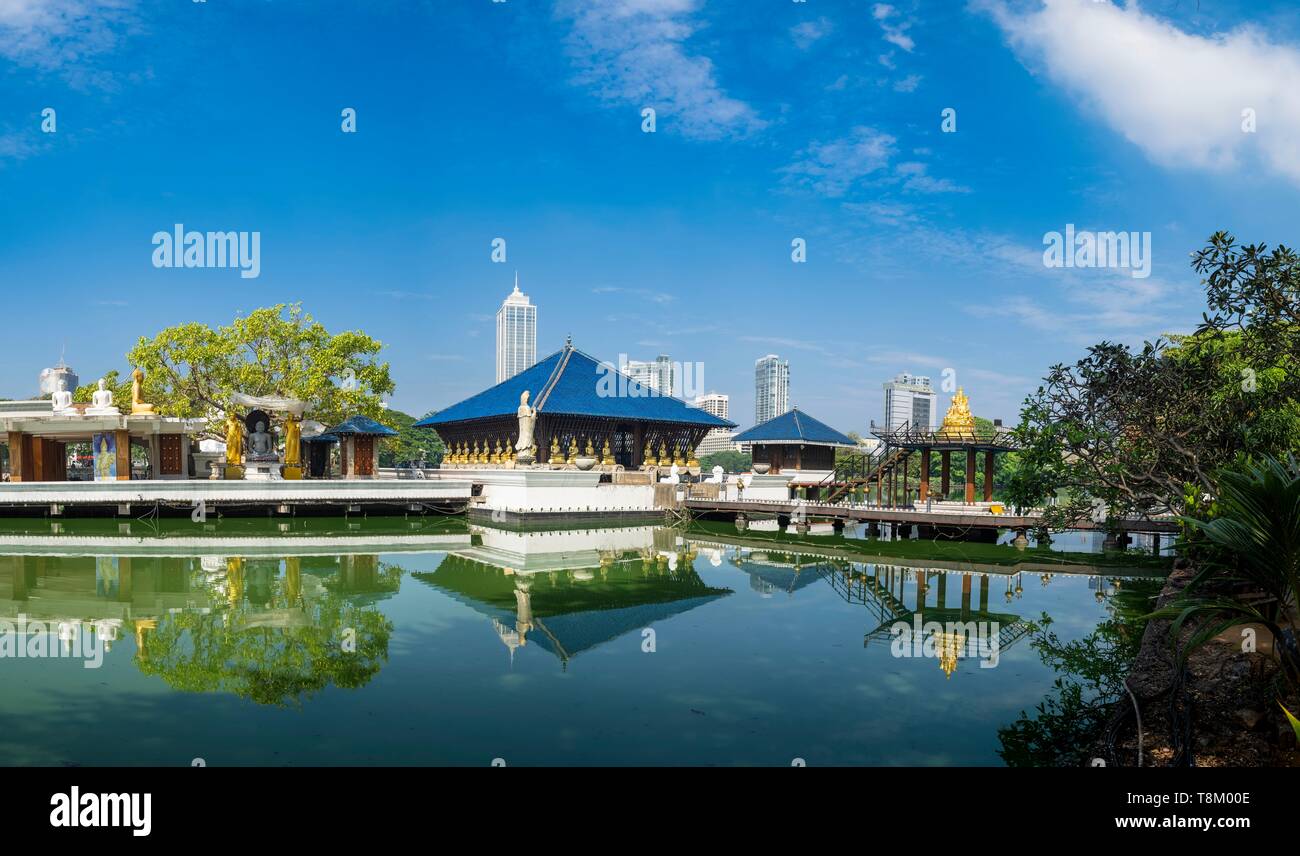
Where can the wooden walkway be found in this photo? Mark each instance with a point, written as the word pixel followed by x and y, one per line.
pixel 862 513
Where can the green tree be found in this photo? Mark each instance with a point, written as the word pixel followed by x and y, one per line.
pixel 1142 429
pixel 193 370
pixel 411 443
pixel 730 460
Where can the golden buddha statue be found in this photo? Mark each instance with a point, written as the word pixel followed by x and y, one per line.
pixel 555 450
pixel 648 456
pixel 234 440
pixel 958 420
pixel 590 450
pixel 677 455
pixel 473 455
pixel 138 406
pixel 496 452
pixel 606 455
pixel 573 450
pixel 664 460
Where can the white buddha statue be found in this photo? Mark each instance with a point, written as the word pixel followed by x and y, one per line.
pixel 62 398
pixel 101 402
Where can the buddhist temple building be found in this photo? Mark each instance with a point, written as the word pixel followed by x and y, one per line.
pixel 585 410
pixel 797 445
pixel 358 438
pixel 959 433
pixel 37 439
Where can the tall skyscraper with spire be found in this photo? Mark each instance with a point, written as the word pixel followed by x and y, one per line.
pixel 516 334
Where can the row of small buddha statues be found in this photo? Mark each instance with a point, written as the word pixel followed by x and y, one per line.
pixel 501 453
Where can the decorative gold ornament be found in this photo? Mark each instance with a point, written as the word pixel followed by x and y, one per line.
pixel 958 420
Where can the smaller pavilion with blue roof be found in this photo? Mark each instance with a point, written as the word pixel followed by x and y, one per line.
pixel 795 441
pixel 584 407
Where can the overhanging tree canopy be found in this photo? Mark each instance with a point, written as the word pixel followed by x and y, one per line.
pixel 193 370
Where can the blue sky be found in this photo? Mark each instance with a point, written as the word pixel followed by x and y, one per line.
pixel 775 120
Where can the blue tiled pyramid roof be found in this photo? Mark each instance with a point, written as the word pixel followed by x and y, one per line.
pixel 571 382
pixel 360 425
pixel 793 426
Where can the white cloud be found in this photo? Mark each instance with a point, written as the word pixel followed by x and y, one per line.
pixel 1176 95
pixel 895 32
pixel 834 168
pixel 633 53
pixel 916 178
pixel 646 293
pixel 908 84
pixel 837 167
pixel 54 33
pixel 808 33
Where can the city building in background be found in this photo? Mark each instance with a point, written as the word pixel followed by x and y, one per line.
pixel 656 375
pixel 909 400
pixel 771 388
pixel 719 439
pixel 49 378
pixel 516 334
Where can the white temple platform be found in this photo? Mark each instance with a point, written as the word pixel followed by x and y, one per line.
pixel 215 494
pixel 537 494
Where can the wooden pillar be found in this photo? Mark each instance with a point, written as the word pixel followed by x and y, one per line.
pixel 891 487
pixel 984 592
pixel 123 440
pixel 925 475
pixel 945 469
pixel 988 476
pixel 970 475
pixel 941 599
pixel 16 457
pixel 35 451
pixel 906 495
pixel 880 484
pixel 965 593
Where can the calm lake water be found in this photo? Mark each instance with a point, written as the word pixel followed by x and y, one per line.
pixel 437 642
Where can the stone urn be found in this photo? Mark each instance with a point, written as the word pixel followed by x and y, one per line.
pixel 761 469
pixel 584 462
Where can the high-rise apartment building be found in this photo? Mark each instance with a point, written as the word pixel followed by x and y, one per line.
pixel 910 400
pixel 771 388
pixel 719 439
pixel 656 374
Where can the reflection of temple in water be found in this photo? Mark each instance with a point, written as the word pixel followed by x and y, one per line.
pixel 883 589
pixel 772 572
pixel 222 615
pixel 571 591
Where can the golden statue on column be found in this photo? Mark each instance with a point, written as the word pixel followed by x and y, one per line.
pixel 958 420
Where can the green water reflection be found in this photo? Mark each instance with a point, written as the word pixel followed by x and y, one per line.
pixel 422 641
